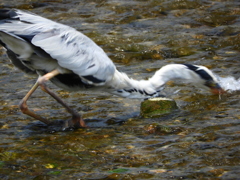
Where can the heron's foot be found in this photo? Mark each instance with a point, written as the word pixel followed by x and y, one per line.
pixel 75 122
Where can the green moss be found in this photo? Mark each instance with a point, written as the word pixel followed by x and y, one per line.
pixel 157 107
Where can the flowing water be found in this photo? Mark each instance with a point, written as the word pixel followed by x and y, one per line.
pixel 230 84
pixel 201 140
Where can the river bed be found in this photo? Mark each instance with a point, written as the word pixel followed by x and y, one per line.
pixel 199 141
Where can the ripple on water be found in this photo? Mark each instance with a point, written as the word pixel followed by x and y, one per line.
pixel 201 141
pixel 229 83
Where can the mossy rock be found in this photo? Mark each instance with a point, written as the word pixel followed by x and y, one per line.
pixel 155 107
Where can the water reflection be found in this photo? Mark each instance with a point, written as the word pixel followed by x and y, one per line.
pixel 200 141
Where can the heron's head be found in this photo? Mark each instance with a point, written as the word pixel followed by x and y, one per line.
pixel 207 78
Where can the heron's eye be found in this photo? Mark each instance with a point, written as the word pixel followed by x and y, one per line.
pixel 210 84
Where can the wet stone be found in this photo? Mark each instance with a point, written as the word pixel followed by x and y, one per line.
pixel 155 107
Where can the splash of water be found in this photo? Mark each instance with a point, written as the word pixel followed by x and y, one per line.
pixel 229 83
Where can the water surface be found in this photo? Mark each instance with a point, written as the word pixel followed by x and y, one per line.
pixel 199 141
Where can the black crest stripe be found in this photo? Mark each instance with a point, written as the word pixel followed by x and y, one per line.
pixel 201 72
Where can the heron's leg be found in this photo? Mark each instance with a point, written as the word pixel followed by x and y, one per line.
pixel 24 108
pixel 76 120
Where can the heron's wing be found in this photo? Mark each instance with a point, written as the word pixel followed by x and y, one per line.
pixel 76 52
pixel 72 49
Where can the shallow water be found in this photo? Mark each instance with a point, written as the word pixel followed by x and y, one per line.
pixel 229 83
pixel 201 140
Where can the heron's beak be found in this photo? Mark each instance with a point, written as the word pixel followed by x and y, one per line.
pixel 215 87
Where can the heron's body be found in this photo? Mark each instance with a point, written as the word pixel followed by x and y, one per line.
pixel 38 44
pixel 73 61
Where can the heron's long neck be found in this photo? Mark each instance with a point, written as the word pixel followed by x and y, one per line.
pixel 124 86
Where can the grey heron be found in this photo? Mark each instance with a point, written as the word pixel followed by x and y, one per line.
pixel 72 61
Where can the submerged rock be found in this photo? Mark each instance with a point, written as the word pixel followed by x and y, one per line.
pixel 157 106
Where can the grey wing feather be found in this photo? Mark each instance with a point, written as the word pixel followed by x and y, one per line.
pixel 19 64
pixel 76 52
pixel 72 49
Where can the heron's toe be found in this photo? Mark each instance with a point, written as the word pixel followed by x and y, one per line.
pixel 74 123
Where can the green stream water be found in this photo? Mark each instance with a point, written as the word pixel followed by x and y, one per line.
pixel 199 141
